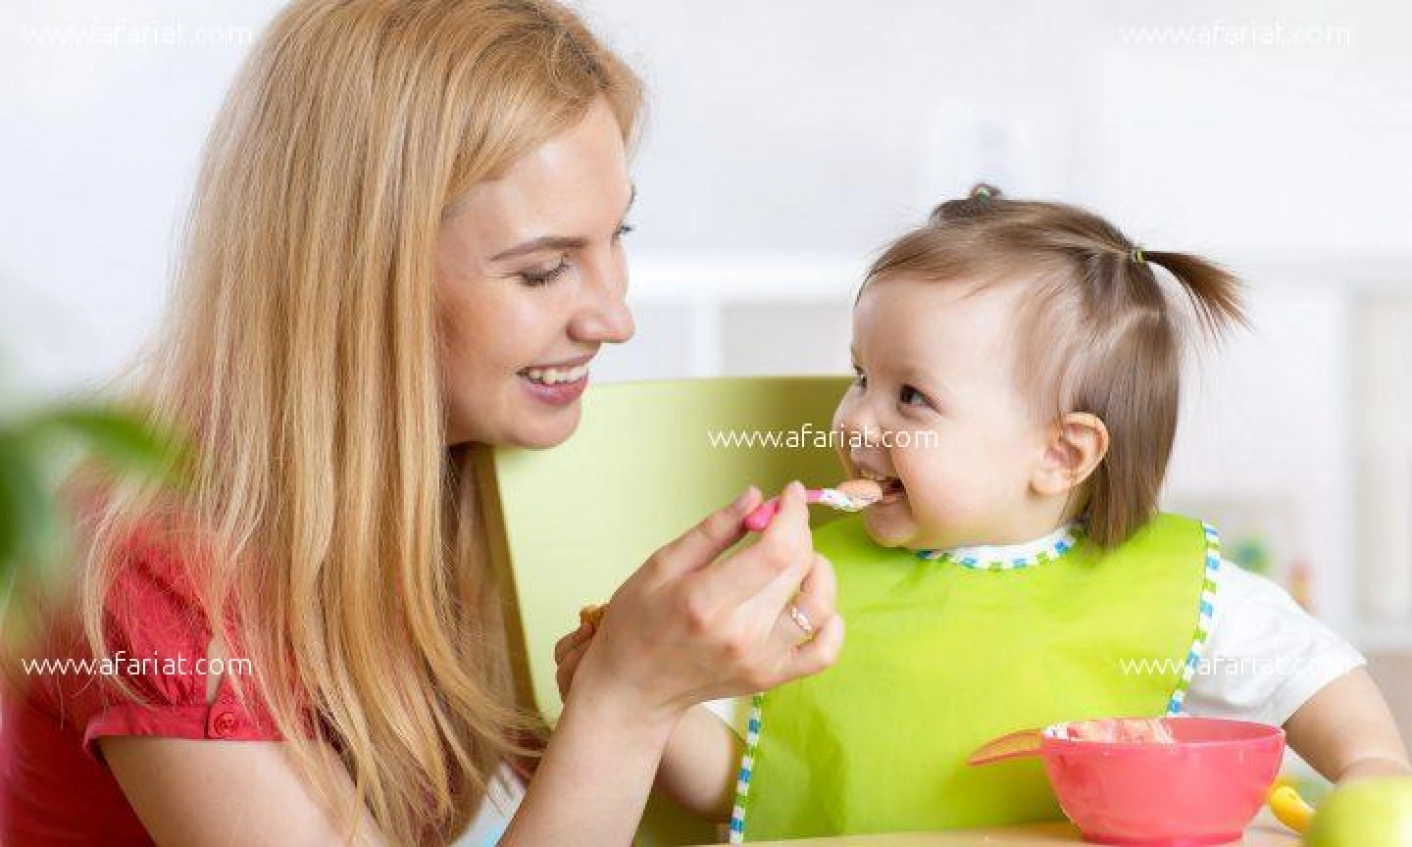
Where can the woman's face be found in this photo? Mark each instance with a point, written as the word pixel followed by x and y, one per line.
pixel 530 280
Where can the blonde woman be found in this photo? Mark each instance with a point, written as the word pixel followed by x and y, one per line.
pixel 405 245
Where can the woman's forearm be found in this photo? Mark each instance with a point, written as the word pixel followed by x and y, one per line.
pixel 592 784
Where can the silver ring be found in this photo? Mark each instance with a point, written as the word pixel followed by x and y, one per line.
pixel 802 621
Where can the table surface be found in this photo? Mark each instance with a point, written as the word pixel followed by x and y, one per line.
pixel 1265 832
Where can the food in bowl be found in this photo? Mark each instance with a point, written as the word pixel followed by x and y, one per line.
pixel 1117 731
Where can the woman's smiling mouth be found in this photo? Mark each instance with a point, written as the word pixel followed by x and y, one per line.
pixel 559 383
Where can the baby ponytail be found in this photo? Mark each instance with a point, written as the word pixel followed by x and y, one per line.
pixel 1213 292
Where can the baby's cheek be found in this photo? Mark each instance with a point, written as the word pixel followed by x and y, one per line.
pixel 939 504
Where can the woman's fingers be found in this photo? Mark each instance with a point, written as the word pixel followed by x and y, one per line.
pixel 780 556
pixel 818 595
pixel 701 544
pixel 568 666
pixel 817 654
pixel 686 632
pixel 806 611
pixel 572 640
pixel 803 584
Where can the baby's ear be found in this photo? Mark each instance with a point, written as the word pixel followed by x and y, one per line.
pixel 1076 445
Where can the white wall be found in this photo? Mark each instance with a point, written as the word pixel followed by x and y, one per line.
pixel 793 125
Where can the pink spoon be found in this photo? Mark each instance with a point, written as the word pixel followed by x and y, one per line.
pixel 849 496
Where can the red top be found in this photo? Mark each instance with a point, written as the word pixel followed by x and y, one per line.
pixel 54 786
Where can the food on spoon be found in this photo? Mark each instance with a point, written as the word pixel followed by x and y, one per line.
pixel 851 495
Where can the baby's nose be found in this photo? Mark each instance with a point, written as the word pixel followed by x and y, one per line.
pixel 867 438
pixel 865 449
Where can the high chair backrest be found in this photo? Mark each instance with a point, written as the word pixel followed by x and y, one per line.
pixel 649 460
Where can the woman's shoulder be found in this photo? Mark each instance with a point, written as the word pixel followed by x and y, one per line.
pixel 149 675
pixel 153 590
pixel 144 566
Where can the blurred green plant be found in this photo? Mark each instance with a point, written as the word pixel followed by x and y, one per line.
pixel 38 448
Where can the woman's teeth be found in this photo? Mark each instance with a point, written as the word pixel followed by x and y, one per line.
pixel 554 376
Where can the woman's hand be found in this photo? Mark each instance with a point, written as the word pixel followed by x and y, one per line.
pixel 568 652
pixel 686 628
pixel 683 629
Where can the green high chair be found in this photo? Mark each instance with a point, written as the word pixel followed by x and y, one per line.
pixel 649 460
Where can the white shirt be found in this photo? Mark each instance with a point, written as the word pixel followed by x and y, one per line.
pixel 1265 656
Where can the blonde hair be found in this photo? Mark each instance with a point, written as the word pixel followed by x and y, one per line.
pixel 1096 331
pixel 325 511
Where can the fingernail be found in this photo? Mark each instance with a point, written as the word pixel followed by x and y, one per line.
pixel 743 499
pixel 796 488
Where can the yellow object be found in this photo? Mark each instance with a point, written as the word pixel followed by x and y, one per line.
pixel 1289 807
pixel 568 525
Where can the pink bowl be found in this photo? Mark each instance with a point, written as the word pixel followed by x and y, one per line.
pixel 1202 790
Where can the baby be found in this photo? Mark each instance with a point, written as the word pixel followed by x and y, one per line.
pixel 1018 370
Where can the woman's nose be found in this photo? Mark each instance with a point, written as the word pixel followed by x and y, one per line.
pixel 603 314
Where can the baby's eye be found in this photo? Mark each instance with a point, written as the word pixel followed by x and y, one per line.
pixel 912 397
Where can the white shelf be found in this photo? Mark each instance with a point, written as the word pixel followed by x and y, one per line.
pixel 744 277
pixel 749 276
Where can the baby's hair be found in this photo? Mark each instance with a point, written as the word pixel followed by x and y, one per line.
pixel 1097 333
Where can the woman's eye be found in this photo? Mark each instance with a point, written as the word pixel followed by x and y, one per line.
pixel 912 397
pixel 623 229
pixel 544 277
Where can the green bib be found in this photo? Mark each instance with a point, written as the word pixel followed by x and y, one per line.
pixel 943 655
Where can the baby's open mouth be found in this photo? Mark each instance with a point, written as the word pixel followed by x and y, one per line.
pixel 892 488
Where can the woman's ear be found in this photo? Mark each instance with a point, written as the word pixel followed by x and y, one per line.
pixel 1076 445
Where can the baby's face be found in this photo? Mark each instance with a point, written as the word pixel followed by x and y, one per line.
pixel 946 425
